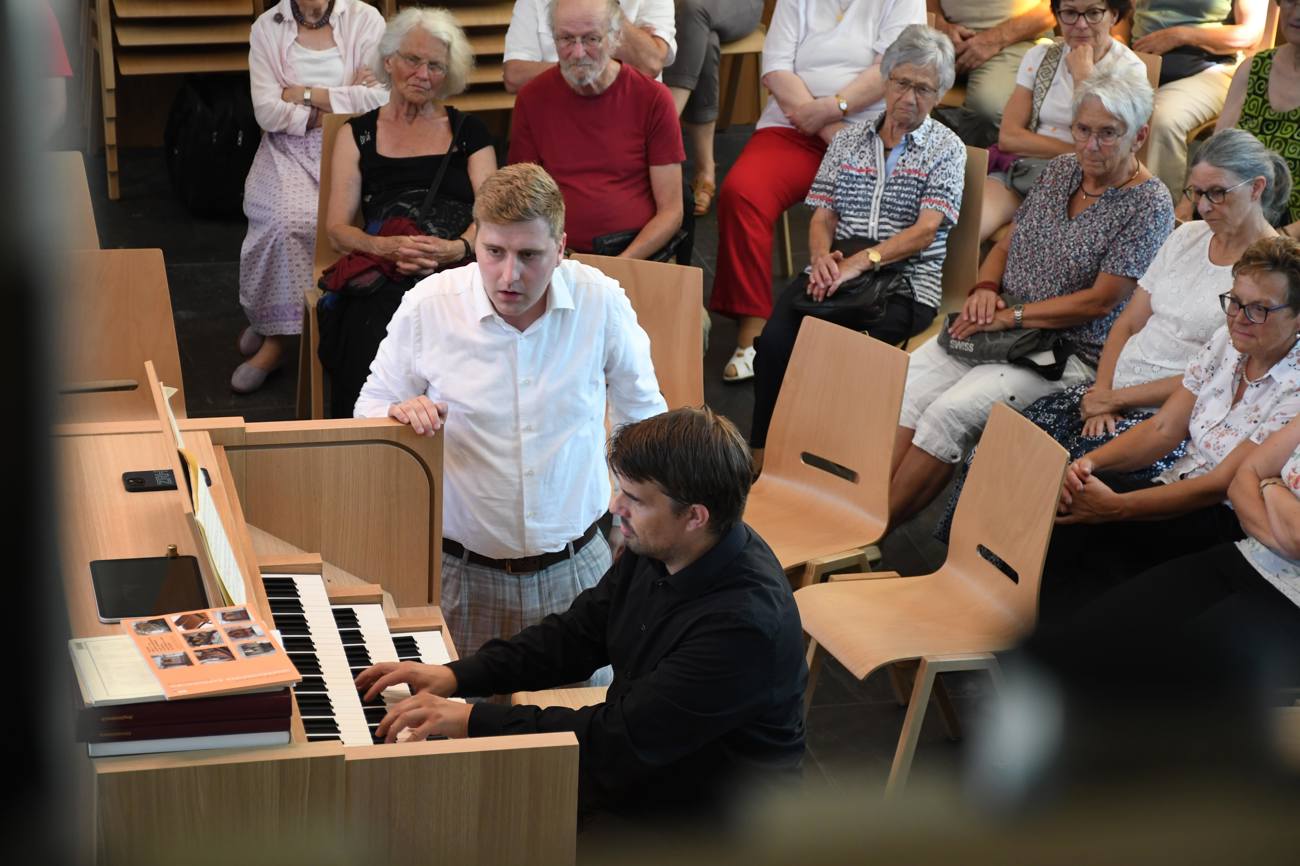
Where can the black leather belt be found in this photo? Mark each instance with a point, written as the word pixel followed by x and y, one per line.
pixel 524 564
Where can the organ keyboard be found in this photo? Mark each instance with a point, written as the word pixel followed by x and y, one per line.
pixel 330 644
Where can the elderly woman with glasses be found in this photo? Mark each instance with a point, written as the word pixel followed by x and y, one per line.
pixel 306 58
pixel 821 63
pixel 1036 122
pixel 384 165
pixel 896 183
pixel 1242 386
pixel 1089 228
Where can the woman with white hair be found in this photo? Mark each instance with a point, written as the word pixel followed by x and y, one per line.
pixel 895 184
pixel 306 58
pixel 385 167
pixel 1088 229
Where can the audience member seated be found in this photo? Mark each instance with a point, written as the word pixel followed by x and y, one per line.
pixel 909 218
pixel 384 168
pixel 609 137
pixel 1265 99
pixel 1239 186
pixel 701 628
pixel 991 38
pixel 305 58
pixel 1247 592
pixel 1199 50
pixel 1243 386
pixel 821 63
pixel 515 357
pixel 1036 124
pixel 1089 228
pixel 646 39
pixel 702 27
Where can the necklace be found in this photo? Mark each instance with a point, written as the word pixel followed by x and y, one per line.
pixel 1087 194
pixel 302 19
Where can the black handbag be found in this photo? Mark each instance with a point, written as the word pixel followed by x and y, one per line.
pixel 860 302
pixel 1019 346
pixel 613 243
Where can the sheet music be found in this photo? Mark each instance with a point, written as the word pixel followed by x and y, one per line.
pixel 221 553
pixel 168 393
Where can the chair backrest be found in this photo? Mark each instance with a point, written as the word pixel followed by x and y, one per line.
pixel 326 255
pixel 118 314
pixel 962 259
pixel 1153 63
pixel 669 304
pixel 837 416
pixel 1007 508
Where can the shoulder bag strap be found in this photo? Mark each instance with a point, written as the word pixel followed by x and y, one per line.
pixel 1043 80
pixel 442 170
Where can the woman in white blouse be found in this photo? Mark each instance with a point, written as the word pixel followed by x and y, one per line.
pixel 1036 122
pixel 306 58
pixel 821 63
pixel 1243 386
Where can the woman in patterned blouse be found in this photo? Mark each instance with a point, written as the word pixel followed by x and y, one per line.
pixel 1086 231
pixel 897 180
pixel 1243 386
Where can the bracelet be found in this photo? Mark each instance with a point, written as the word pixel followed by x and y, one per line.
pixel 1269 482
pixel 984 284
pixel 469 251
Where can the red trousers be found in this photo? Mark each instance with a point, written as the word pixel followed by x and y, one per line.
pixel 772 173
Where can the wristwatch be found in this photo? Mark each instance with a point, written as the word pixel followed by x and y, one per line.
pixel 1018 314
pixel 873 256
pixel 842 104
pixel 306 96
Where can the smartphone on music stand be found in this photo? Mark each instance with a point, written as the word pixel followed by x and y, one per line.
pixel 146 586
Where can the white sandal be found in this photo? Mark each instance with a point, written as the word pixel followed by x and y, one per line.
pixel 740 367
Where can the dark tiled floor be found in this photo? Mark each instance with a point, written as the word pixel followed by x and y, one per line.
pixel 853 726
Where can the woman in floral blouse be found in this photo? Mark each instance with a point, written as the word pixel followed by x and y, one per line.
pixel 1243 386
pixel 1087 230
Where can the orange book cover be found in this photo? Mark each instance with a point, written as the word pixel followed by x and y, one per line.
pixel 211 652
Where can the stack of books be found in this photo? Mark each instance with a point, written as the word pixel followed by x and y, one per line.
pixel 204 679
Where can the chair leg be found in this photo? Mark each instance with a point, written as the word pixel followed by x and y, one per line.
pixel 787 252
pixel 816 655
pixel 911 732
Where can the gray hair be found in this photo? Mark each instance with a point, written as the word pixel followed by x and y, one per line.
pixel 613 12
pixel 1242 154
pixel 441 25
pixel 919 45
pixel 1122 90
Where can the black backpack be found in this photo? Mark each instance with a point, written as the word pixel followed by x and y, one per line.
pixel 210 140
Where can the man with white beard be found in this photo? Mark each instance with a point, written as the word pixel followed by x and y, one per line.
pixel 607 134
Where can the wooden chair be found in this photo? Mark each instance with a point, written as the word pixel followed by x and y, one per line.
pixel 823 496
pixel 311 376
pixel 971 607
pixel 962 259
pixel 574 699
pixel 669 304
pixel 737 56
pixel 117 315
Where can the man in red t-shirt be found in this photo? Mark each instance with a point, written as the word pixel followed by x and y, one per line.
pixel 606 133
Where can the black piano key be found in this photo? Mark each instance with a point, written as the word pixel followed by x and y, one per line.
pixel 305 664
pixel 310 685
pixel 406 646
pixel 356 671
pixel 376 701
pixel 313 738
pixel 280 586
pixel 352 637
pixel 299 644
pixel 357 655
pixel 315 705
pixel 320 726
pixel 345 617
pixel 374 715
pixel 284 605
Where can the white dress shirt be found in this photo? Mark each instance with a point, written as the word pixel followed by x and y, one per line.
pixel 524 459
pixel 530 37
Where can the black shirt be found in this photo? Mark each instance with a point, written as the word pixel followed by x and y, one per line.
pixel 709 676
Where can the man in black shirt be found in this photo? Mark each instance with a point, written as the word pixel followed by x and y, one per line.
pixel 697 619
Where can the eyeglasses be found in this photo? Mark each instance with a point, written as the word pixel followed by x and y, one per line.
pixel 922 90
pixel 1106 136
pixel 1216 194
pixel 1070 17
pixel 587 41
pixel 1256 314
pixel 435 67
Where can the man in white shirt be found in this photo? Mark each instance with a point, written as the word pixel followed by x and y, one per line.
pixel 512 358
pixel 647 41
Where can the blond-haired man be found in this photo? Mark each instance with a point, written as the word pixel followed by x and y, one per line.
pixel 512 358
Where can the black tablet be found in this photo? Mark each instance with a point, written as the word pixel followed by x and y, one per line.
pixel 126 588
